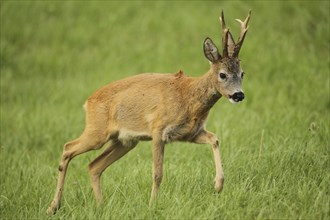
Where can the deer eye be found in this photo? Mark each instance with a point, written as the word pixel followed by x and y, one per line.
pixel 223 76
pixel 242 75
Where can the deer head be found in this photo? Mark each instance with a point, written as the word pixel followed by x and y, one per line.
pixel 226 68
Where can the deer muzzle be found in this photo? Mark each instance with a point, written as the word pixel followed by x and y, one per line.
pixel 237 97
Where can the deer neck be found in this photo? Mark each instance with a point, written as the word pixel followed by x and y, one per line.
pixel 203 94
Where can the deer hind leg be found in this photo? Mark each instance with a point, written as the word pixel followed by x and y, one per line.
pixel 206 137
pixel 115 151
pixel 86 142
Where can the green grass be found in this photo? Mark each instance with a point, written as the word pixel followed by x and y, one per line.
pixel 275 145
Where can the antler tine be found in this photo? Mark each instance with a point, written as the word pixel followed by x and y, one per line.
pixel 244 29
pixel 222 20
pixel 225 31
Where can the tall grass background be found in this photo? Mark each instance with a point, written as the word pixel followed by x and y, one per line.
pixel 274 145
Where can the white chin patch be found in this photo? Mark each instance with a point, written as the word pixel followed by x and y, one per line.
pixel 233 101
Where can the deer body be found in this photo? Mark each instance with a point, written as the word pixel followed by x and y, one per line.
pixel 159 107
pixel 140 106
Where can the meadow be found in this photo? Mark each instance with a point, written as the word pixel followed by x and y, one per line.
pixel 274 145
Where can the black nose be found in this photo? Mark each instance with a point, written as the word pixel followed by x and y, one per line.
pixel 238 96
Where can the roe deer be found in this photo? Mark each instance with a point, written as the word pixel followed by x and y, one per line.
pixel 159 107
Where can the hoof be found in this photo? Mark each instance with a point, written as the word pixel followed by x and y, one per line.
pixel 218 185
pixel 52 209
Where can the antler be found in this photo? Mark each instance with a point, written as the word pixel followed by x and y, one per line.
pixel 244 29
pixel 225 32
pixel 230 48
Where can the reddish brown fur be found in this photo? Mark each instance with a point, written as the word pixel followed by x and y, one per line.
pixel 157 107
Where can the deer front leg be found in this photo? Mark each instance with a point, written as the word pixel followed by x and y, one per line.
pixel 157 168
pixel 206 137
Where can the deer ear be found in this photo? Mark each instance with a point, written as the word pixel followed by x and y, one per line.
pixel 230 44
pixel 211 51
